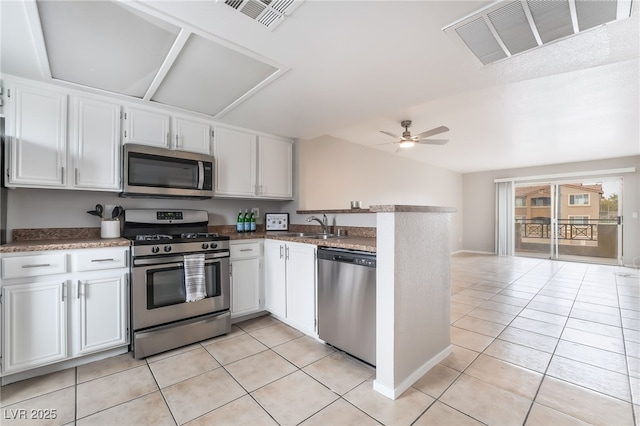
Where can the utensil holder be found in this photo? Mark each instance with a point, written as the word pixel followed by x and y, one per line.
pixel 110 229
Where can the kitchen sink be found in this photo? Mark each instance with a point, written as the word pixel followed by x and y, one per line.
pixel 313 236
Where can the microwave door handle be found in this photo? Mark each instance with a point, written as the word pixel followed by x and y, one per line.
pixel 200 175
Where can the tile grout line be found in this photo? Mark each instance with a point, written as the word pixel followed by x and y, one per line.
pixel 626 356
pixel 544 375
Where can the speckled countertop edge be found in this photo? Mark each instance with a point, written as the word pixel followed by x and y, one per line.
pixel 65 244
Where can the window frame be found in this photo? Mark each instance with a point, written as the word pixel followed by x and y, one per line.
pixel 570 196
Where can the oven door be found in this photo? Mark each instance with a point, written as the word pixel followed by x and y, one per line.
pixel 158 290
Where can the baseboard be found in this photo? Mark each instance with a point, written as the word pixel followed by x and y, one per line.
pixel 473 252
pixel 413 377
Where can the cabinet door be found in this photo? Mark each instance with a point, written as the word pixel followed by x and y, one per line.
pixel 146 127
pixel 275 297
pixel 103 313
pixel 301 287
pixel 245 287
pixel 191 136
pixel 275 168
pixel 38 128
pixel 96 130
pixel 34 325
pixel 235 154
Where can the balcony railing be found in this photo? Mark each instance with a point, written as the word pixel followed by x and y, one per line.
pixel 566 229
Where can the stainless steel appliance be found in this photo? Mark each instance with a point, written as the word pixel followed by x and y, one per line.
pixel 158 172
pixel 161 319
pixel 347 301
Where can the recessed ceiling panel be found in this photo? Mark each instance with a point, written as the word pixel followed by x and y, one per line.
pixel 478 37
pixel 104 44
pixel 524 25
pixel 592 13
pixel 207 77
pixel 552 18
pixel 513 28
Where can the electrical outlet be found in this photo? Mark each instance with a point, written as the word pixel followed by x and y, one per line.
pixel 256 212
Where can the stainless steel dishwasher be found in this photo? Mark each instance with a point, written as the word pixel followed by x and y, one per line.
pixel 347 301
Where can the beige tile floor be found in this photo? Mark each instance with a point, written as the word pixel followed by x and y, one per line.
pixel 535 342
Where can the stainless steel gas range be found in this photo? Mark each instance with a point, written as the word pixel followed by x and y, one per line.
pixel 161 317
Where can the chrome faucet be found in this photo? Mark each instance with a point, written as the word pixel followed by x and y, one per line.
pixel 322 222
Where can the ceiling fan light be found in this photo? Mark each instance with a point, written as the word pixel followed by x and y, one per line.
pixel 407 144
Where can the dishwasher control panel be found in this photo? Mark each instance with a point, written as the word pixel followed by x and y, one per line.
pixel 365 262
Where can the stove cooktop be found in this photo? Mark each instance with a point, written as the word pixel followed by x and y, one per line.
pixel 191 237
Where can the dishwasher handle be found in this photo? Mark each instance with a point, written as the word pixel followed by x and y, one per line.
pixel 346 259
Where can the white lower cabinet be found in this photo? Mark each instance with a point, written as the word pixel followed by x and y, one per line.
pixel 246 277
pixel 102 313
pixel 290 283
pixel 34 331
pixel 52 318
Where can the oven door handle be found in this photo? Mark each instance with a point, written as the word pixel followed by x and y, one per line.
pixel 176 260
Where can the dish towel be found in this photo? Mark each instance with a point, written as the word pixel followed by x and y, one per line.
pixel 194 277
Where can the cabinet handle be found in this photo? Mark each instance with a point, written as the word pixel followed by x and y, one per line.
pixel 39 265
pixel 64 289
pixel 103 260
pixel 62 177
pixel 246 249
pixel 177 141
pixel 286 251
pixel 281 252
pixel 167 138
pixel 230 270
pixel 78 291
pixel 75 176
pixel 260 190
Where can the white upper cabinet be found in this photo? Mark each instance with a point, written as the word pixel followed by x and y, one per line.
pixel 154 128
pixel 146 127
pixel 235 155
pixel 275 164
pixel 192 136
pixel 95 128
pixel 37 134
pixel 252 166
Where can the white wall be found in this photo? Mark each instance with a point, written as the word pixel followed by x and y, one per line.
pixel 55 208
pixel 330 172
pixel 479 201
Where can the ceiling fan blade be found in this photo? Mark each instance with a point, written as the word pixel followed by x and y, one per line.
pixel 433 141
pixel 393 135
pixel 433 132
pixel 398 150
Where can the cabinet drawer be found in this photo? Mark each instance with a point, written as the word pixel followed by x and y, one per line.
pixel 244 251
pixel 100 259
pixel 33 266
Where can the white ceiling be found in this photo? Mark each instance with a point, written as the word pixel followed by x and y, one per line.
pixel 357 67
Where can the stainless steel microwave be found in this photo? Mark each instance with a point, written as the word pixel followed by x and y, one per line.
pixel 158 172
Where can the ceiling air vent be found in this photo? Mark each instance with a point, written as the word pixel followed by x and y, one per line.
pixel 507 28
pixel 267 12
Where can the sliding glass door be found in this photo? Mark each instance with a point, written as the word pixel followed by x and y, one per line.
pixel 569 221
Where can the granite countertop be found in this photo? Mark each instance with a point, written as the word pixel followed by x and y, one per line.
pixel 63 244
pixel 348 242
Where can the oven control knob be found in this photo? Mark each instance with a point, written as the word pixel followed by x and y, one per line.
pixel 167 249
pixel 155 249
pixel 214 245
pixel 205 246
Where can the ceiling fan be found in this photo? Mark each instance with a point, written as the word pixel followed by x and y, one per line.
pixel 408 141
